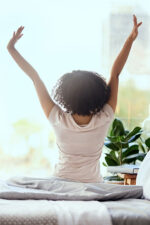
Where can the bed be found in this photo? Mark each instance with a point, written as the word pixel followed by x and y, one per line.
pixel 129 211
pixel 54 201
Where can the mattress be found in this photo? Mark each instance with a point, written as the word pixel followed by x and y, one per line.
pixel 53 201
pixel 129 211
pixel 45 212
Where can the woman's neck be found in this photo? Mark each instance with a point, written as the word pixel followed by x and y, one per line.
pixel 81 120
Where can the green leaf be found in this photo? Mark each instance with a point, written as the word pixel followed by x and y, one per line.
pixel 135 131
pixel 117 128
pixel 132 158
pixel 147 142
pixel 104 164
pixel 110 161
pixel 124 145
pixel 111 146
pixel 141 156
pixel 114 157
pixel 135 137
pixel 113 139
pixel 133 149
pixel 142 146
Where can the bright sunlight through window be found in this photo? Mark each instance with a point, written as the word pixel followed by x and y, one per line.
pixel 61 36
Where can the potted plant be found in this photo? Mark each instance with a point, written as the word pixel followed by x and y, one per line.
pixel 123 146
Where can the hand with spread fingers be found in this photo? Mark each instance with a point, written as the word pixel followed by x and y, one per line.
pixel 134 32
pixel 16 36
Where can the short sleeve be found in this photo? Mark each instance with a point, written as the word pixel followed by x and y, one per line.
pixel 108 111
pixel 54 116
pixel 106 114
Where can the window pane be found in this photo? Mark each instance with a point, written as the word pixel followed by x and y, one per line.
pixel 61 36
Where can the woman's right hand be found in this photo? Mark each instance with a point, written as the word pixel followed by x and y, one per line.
pixel 16 36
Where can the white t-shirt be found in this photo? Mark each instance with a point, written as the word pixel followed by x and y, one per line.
pixel 80 147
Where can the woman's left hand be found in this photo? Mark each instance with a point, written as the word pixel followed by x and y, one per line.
pixel 134 32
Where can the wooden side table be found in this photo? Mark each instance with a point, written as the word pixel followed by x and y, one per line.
pixel 129 179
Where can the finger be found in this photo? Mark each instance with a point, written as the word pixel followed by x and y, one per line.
pixel 20 29
pixel 139 24
pixel 14 34
pixel 20 36
pixel 135 20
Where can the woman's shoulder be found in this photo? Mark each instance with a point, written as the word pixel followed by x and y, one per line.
pixel 55 113
pixel 106 114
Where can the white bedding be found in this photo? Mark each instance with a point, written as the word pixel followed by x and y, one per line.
pixel 56 201
pixel 47 212
pixel 82 213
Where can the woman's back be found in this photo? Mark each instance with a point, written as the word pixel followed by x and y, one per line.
pixel 80 146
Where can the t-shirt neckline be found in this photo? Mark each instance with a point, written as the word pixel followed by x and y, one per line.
pixel 83 125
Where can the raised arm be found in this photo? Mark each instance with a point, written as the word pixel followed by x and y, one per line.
pixel 44 97
pixel 119 64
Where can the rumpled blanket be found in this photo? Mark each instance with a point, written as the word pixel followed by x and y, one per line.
pixel 61 189
pixel 76 202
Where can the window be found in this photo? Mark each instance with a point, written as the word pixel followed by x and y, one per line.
pixel 61 36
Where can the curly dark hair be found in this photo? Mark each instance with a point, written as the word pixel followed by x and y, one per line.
pixel 81 92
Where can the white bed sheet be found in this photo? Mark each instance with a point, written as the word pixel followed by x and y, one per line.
pixel 54 201
pixel 47 212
